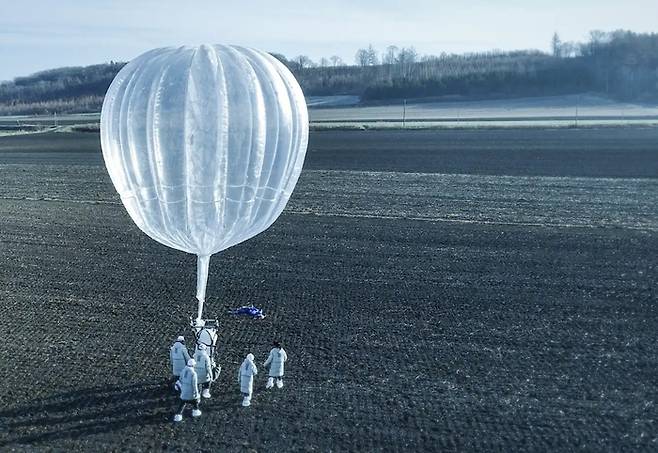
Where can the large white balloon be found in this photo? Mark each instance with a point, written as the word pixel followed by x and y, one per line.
pixel 204 145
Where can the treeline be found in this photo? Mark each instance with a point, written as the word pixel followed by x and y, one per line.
pixel 83 104
pixel 622 64
pixel 491 74
pixel 619 64
pixel 62 90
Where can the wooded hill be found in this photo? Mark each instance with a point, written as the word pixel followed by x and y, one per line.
pixel 620 64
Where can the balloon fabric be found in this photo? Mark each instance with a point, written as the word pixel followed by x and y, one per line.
pixel 204 145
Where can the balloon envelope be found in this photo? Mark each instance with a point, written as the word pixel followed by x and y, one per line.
pixel 204 145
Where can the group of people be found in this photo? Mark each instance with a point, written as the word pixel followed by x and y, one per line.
pixel 193 375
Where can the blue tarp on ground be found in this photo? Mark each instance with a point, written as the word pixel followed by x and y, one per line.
pixel 248 310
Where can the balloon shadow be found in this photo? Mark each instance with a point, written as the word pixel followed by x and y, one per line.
pixel 94 410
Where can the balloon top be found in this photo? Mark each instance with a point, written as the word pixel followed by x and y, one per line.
pixel 204 145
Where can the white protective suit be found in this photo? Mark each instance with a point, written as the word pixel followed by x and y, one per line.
pixel 275 361
pixel 246 375
pixel 203 366
pixel 179 357
pixel 189 384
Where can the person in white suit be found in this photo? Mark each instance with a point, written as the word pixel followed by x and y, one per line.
pixel 276 362
pixel 246 379
pixel 189 393
pixel 203 369
pixel 179 356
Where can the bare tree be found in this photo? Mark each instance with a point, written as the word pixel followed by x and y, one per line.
pixel 324 62
pixel 361 58
pixel 336 61
pixel 569 49
pixel 556 45
pixel 302 62
pixel 391 55
pixel 366 57
pixel 407 56
pixel 373 58
pixel 406 59
pixel 596 40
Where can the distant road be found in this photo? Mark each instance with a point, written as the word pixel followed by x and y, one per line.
pixel 51 120
pixel 556 107
pixel 332 111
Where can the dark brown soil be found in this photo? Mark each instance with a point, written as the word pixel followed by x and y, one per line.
pixel 420 312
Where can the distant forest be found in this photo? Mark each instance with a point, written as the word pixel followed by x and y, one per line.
pixel 619 64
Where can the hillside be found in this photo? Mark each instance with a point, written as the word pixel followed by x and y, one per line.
pixel 621 65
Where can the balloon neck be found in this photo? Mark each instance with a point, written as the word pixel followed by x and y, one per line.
pixel 202 263
pixel 199 312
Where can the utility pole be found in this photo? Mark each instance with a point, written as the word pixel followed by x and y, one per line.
pixel 404 114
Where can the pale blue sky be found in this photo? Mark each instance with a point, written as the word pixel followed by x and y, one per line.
pixel 42 34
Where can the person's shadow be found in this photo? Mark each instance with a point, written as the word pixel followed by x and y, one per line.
pixel 83 412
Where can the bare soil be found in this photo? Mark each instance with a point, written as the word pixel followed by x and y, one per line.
pixel 435 291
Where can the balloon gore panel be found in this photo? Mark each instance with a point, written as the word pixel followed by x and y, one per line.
pixel 204 145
